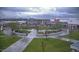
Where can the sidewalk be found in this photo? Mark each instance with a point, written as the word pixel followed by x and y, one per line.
pixel 20 45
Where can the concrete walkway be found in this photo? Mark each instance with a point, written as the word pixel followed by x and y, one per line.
pixel 20 45
pixel 58 35
pixel 61 38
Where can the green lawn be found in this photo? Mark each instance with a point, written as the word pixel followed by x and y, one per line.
pixel 52 27
pixel 1 33
pixel 42 27
pixel 6 41
pixel 39 27
pixel 13 25
pixel 49 45
pixel 56 26
pixel 73 35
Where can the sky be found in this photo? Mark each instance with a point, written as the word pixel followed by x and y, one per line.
pixel 38 12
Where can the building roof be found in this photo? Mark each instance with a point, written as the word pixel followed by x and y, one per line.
pixel 71 21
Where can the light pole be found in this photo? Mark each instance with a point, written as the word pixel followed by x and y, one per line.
pixel 54 10
pixel 42 41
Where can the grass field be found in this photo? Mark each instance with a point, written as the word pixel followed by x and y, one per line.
pixel 6 41
pixel 49 45
pixel 1 33
pixel 73 35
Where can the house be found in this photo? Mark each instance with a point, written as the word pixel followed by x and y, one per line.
pixel 73 24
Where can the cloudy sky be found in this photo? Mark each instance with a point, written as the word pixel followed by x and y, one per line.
pixel 38 12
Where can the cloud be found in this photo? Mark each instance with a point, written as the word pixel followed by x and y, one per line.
pixel 35 12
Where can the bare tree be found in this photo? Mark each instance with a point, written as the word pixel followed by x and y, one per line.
pixel 46 33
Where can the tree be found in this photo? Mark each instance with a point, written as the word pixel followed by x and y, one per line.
pixel 13 25
pixel 46 34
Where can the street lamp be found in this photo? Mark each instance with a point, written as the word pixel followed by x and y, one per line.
pixel 54 10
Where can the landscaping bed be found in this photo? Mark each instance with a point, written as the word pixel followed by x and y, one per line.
pixel 22 31
pixel 48 32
